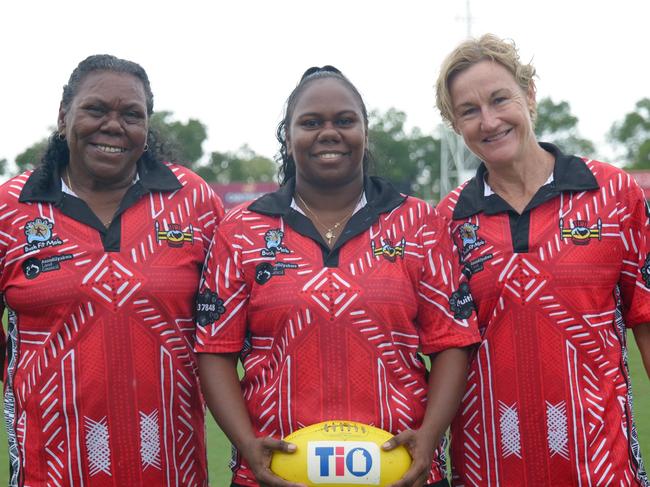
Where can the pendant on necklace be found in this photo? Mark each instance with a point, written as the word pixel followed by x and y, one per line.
pixel 329 236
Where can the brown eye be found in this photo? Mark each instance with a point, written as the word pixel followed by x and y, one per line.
pixel 133 116
pixel 95 110
pixel 310 123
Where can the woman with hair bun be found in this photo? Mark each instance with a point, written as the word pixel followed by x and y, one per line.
pixel 327 291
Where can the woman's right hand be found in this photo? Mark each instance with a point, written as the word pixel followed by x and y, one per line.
pixel 258 453
pixel 222 393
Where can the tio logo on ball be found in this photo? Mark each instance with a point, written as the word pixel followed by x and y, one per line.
pixel 338 462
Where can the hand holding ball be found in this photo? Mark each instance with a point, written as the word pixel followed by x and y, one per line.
pixel 339 454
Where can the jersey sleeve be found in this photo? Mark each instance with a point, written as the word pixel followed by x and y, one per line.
pixel 446 316
pixel 211 212
pixel 5 239
pixel 634 281
pixel 223 296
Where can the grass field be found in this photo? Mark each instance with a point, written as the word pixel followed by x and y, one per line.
pixel 219 447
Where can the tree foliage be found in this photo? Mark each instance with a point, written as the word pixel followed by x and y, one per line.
pixel 242 165
pixel 31 157
pixel 556 124
pixel 184 139
pixel 633 135
pixel 411 161
pixel 3 167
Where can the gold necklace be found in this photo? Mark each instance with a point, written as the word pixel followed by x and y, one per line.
pixel 107 223
pixel 329 231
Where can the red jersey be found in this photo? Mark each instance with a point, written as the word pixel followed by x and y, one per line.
pixel 548 399
pixel 333 334
pixel 101 385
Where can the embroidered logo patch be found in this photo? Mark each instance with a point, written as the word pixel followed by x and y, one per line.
pixel 468 235
pixel 461 302
pixel 476 265
pixel 39 235
pixel 266 270
pixel 273 243
pixel 209 307
pixel 33 267
pixel 580 233
pixel 645 271
pixel 388 250
pixel 174 235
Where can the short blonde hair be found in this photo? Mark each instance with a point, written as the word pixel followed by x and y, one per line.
pixel 472 51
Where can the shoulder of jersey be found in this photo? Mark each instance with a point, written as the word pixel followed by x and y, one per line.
pixel 11 188
pixel 605 169
pixel 187 174
pixel 415 210
pixel 341 453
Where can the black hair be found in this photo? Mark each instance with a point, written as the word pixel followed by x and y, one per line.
pixel 57 153
pixel 287 164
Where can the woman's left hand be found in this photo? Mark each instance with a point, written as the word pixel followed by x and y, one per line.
pixel 421 446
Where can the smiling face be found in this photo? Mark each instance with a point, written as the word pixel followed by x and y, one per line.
pixel 327 136
pixel 492 113
pixel 106 127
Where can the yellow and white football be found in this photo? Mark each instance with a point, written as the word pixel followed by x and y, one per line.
pixel 339 454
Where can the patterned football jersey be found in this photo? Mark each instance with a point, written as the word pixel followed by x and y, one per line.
pixel 101 382
pixel 548 399
pixel 333 335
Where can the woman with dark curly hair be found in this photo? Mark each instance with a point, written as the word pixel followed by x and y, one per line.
pixel 328 290
pixel 100 258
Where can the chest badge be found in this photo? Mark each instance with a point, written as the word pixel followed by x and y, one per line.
pixel 174 235
pixel 461 302
pixel 468 234
pixel 387 250
pixel 580 233
pixel 39 235
pixel 273 243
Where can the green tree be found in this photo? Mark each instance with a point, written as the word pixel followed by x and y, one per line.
pixel 556 124
pixel 633 135
pixel 411 161
pixel 243 165
pixel 31 157
pixel 184 139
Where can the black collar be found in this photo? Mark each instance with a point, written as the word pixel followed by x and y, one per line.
pixel 381 197
pixel 570 173
pixel 151 177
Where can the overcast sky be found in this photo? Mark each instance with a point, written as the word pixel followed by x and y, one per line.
pixel 231 64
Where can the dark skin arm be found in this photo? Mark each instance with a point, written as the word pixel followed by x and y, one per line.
pixel 447 379
pixel 642 337
pixel 222 392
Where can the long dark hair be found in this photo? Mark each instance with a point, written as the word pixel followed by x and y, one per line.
pixel 57 154
pixel 287 164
